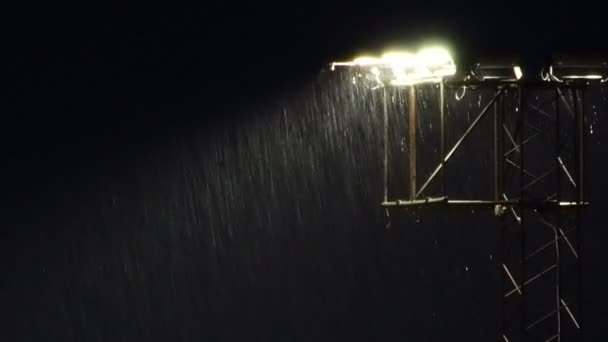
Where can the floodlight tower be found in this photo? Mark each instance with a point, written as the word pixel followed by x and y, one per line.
pixel 538 195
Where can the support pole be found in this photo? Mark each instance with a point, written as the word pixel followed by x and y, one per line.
pixel 580 196
pixel 412 141
pixel 385 122
pixel 497 156
pixel 522 197
pixel 442 114
pixel 580 124
pixel 499 141
pixel 558 149
pixel 558 212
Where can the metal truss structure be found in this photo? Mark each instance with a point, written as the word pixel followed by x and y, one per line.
pixel 538 195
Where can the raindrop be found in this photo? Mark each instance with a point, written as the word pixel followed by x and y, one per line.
pixel 466 268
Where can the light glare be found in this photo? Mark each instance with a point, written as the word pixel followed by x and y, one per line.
pixel 434 57
pixel 396 58
pixel 429 65
pixel 366 61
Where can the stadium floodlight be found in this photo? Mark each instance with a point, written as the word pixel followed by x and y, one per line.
pixel 402 68
pixel 564 69
pixel 507 72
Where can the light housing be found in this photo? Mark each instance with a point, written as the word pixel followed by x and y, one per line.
pixel 402 68
pixel 578 69
pixel 506 72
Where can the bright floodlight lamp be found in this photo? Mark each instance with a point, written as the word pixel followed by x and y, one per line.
pixel 401 68
pixel 506 72
pixel 590 70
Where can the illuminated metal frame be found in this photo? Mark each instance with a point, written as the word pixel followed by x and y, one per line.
pixel 517 213
pixel 520 213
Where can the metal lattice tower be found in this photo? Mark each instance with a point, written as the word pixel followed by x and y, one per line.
pixel 538 195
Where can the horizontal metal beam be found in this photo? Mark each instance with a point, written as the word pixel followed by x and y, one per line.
pixel 483 203
pixel 428 200
pixel 497 84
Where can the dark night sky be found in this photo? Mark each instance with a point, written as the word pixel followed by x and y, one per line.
pixel 76 73
pixel 111 60
pixel 112 175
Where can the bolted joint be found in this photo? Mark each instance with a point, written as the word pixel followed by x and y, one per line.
pixel 499 210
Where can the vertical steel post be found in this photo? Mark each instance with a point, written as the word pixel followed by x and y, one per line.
pixel 385 122
pixel 497 156
pixel 442 114
pixel 580 127
pixel 558 210
pixel 558 184
pixel 412 141
pixel 501 146
pixel 580 194
pixel 522 190
pixel 498 169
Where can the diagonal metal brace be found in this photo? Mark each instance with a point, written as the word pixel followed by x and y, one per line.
pixel 460 141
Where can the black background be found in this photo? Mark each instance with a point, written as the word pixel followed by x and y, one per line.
pixel 112 179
